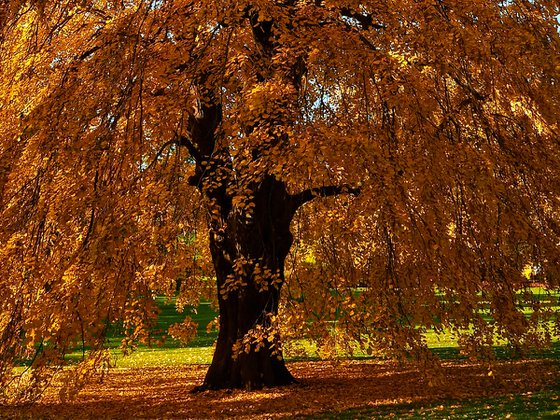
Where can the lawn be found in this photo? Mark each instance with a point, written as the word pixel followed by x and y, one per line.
pixel 199 351
pixel 543 404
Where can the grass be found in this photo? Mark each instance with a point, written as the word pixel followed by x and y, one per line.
pixel 171 353
pixel 531 405
pixel 200 350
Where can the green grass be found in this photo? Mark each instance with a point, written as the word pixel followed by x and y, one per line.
pixel 171 353
pixel 200 350
pixel 152 357
pixel 538 405
pixel 197 351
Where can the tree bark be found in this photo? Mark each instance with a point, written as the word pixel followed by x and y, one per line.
pixel 251 251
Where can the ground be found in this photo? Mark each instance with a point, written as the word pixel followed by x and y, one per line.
pixel 347 389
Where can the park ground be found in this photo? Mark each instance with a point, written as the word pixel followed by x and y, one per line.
pixel 525 389
pixel 157 383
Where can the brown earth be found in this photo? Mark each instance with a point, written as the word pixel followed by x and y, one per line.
pixel 323 387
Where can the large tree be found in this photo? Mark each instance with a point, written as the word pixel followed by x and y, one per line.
pixel 375 168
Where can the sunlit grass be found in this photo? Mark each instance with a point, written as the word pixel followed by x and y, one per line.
pixel 151 357
pixel 200 350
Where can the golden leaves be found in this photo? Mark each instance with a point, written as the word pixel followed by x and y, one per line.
pixel 260 336
pixel 184 331
pixel 447 113
pixel 332 387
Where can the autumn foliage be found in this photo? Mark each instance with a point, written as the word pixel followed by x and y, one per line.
pixel 353 172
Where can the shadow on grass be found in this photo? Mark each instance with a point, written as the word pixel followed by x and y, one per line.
pixel 502 353
pixel 530 405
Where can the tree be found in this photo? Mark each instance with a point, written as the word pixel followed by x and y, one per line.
pixel 145 141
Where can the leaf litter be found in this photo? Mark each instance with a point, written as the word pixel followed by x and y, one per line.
pixel 326 386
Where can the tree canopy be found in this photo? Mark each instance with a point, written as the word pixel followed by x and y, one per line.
pixel 355 172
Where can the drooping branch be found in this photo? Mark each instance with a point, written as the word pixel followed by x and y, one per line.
pixel 178 140
pixel 305 196
pixel 262 32
pixel 159 153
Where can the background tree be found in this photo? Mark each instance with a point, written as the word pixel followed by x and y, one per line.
pixel 145 141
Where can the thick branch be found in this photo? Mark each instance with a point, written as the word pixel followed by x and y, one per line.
pixel 326 191
pixel 201 142
pixel 184 141
pixel 86 54
pixel 202 127
pixel 262 32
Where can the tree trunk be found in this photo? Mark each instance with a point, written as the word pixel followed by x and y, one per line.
pixel 248 255
pixel 249 369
